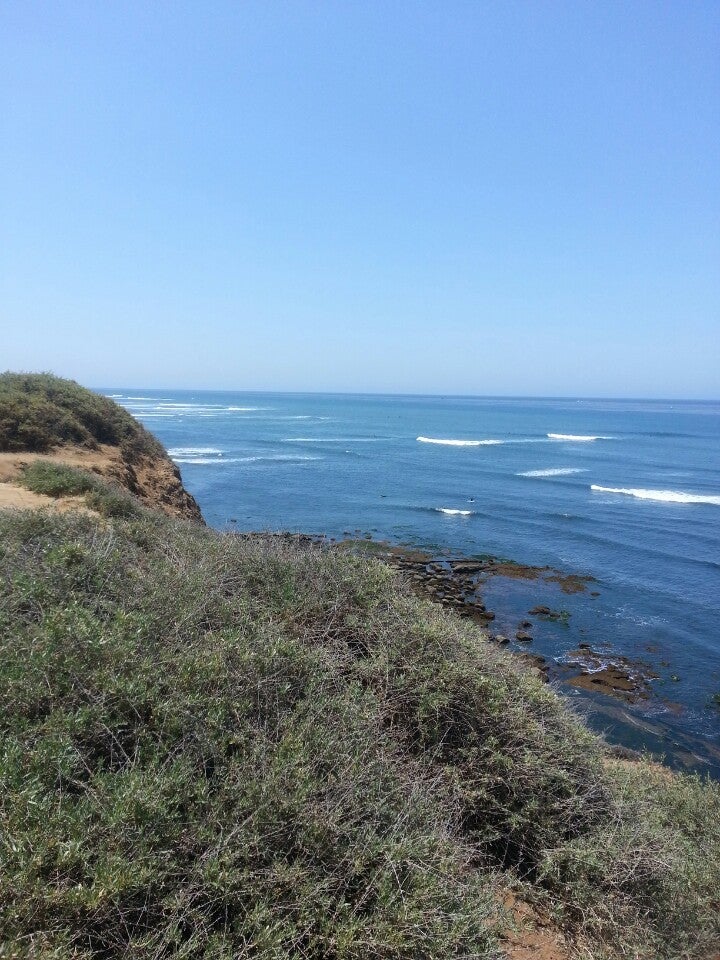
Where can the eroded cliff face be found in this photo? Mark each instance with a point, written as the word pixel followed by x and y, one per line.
pixel 157 482
pixel 154 480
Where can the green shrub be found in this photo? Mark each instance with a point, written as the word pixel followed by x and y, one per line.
pixel 109 502
pixel 57 480
pixel 182 776
pixel 655 858
pixel 39 411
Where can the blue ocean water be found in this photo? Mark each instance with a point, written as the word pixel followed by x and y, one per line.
pixel 625 491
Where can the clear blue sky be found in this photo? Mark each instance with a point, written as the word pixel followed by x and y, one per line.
pixel 466 197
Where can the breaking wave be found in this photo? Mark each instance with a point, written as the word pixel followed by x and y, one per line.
pixel 219 461
pixel 452 512
pixel 137 405
pixel 663 496
pixel 460 443
pixel 331 439
pixel 576 437
pixel 193 451
pixel 552 472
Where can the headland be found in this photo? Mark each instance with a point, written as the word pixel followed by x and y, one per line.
pixel 252 745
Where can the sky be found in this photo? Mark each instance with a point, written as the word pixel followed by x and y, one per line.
pixel 490 198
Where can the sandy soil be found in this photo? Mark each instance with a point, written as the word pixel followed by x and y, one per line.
pixel 97 460
pixel 532 937
pixel 18 498
pixel 155 481
pixel 13 496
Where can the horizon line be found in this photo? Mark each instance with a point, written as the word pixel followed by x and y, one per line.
pixel 438 395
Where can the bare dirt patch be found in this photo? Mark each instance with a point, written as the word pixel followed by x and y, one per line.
pixel 531 936
pixel 100 461
pixel 17 498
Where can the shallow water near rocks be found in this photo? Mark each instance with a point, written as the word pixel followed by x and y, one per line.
pixel 627 492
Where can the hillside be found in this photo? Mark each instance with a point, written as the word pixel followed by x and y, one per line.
pixel 47 420
pixel 257 747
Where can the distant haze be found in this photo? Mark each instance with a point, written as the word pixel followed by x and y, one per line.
pixel 436 197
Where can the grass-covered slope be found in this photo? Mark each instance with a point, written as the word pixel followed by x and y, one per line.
pixel 39 411
pixel 215 746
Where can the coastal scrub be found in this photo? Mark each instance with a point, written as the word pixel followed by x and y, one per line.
pixel 216 745
pixel 39 411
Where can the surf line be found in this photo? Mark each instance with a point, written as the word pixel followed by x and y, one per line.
pixel 661 496
pixel 460 443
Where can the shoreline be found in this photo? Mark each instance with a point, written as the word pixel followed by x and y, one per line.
pixel 514 604
pixel 617 696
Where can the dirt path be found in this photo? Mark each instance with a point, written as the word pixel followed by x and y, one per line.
pixel 14 497
pixel 103 460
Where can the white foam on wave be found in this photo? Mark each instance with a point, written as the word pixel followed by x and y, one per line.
pixel 460 443
pixel 331 439
pixel 576 437
pixel 193 451
pixel 284 456
pixel 662 496
pixel 552 472
pixel 211 408
pixel 220 461
pixel 452 512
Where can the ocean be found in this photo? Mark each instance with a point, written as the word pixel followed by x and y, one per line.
pixel 626 492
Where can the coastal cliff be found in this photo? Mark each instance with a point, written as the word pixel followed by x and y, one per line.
pixel 48 420
pixel 220 745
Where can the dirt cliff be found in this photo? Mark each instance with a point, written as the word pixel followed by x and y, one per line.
pixel 153 479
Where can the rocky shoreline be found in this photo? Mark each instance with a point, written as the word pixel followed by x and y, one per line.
pixel 621 697
pixel 458 583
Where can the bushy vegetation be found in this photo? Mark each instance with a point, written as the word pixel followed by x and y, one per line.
pixel 39 411
pixel 110 501
pixel 647 877
pixel 217 746
pixel 57 479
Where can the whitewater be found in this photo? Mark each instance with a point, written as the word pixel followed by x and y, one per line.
pixel 661 496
